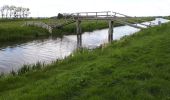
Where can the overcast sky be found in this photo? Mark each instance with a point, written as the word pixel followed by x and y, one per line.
pixel 47 8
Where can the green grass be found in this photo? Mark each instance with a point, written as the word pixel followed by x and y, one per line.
pixel 134 68
pixel 11 31
pixel 167 17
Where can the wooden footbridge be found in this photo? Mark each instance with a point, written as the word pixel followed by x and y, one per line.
pixel 104 15
pixel 109 16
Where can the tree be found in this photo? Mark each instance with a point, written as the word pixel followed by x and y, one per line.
pixel 11 9
pixel 60 16
pixel 23 12
pixel 6 7
pixel 27 12
pixel 14 12
pixel 20 12
pixel 2 11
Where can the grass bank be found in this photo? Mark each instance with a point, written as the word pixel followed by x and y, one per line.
pixel 134 68
pixel 13 30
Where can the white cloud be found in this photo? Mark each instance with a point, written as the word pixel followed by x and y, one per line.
pixel 130 7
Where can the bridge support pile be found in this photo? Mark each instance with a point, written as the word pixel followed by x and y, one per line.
pixel 79 34
pixel 110 32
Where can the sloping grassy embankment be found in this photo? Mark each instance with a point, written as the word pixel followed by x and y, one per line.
pixel 134 68
pixel 13 30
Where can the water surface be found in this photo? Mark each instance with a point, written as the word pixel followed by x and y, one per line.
pixel 48 50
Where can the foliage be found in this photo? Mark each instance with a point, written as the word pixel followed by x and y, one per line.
pixel 60 16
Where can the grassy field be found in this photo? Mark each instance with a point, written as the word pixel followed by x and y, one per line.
pixel 167 17
pixel 134 68
pixel 13 30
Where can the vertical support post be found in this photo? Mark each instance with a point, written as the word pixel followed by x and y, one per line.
pixel 110 32
pixel 79 36
pixel 78 22
pixel 96 15
pixel 159 22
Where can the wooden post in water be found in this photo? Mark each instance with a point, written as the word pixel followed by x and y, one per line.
pixel 110 32
pixel 79 36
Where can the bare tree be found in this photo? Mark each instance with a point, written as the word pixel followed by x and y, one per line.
pixel 24 12
pixel 27 12
pixel 6 7
pixel 11 9
pixel 2 11
pixel 20 12
pixel 17 13
pixel 14 12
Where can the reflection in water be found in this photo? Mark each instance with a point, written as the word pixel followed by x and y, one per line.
pixel 110 37
pixel 48 50
pixel 110 31
pixel 79 40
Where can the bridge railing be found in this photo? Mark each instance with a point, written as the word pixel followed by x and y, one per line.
pixel 103 15
pixel 91 15
pixel 137 20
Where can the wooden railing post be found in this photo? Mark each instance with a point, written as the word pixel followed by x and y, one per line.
pixel 78 22
pixel 107 14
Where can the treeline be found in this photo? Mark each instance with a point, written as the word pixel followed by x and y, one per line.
pixel 7 11
pixel 61 16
